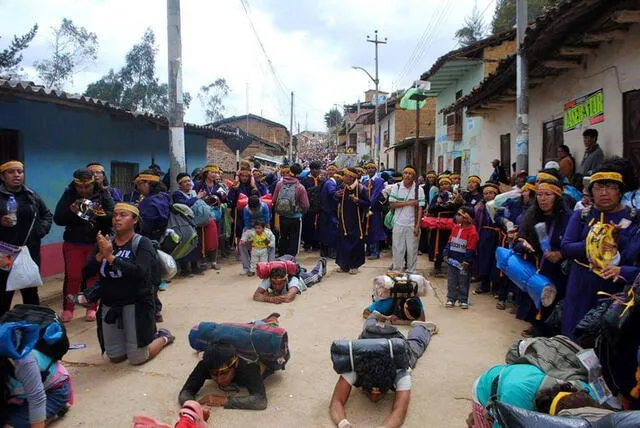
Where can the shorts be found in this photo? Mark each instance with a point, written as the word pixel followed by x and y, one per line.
pixel 123 342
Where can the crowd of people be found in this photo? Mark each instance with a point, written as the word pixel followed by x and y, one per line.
pixel 576 225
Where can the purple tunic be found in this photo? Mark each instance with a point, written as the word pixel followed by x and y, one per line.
pixel 582 284
pixel 350 249
pixel 375 229
pixel 328 221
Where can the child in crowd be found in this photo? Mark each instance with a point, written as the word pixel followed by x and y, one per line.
pixel 261 239
pixel 459 255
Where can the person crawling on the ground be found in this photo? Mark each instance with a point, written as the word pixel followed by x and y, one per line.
pixel 280 287
pixel 221 363
pixel 376 373
pixel 398 311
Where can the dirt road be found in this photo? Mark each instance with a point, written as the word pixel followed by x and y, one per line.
pixel 108 395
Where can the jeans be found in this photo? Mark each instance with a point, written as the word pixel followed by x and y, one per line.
pixel 373 249
pixel 417 340
pixel 289 235
pixel 457 285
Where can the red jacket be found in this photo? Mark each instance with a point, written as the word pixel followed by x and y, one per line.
pixel 462 243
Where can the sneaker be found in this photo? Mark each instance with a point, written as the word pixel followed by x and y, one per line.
pixel 67 316
pixel 90 316
pixel 163 332
pixel 353 271
pixel 430 326
pixel 501 306
pixel 464 305
pixel 215 266
pixel 323 261
pixel 251 274
pixel 449 304
pixel 162 286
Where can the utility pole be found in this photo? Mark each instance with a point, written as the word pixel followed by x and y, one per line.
pixel 376 138
pixel 522 83
pixel 176 106
pixel 291 132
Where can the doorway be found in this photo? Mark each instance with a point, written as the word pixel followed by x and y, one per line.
pixel 631 129
pixel 552 138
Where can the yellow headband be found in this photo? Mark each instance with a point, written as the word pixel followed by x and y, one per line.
pixel 493 186
pixel 545 176
pixel 184 179
pixel 229 364
pixel 94 168
pixel 338 175
pixel 409 169
pixel 444 180
pixel 213 168
pixel 78 181
pixel 474 179
pixel 349 173
pixel 554 404
pixel 122 206
pixel 528 186
pixel 465 215
pixel 147 177
pixel 556 190
pixel 454 176
pixel 360 169
pixel 397 178
pixel 370 165
pixel 610 176
pixel 11 165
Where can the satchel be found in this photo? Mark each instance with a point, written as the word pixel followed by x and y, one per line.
pixel 24 271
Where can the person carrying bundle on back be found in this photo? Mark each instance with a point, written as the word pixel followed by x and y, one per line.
pixel 396 296
pixel 284 279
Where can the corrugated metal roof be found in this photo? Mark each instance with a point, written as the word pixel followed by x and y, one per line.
pixel 31 90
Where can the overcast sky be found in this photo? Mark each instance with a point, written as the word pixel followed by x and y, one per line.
pixel 312 45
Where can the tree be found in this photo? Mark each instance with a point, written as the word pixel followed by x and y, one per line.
pixel 333 118
pixel 73 47
pixel 135 87
pixel 211 97
pixel 473 30
pixel 504 17
pixel 11 57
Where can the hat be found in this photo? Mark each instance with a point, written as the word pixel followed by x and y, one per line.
pixel 523 172
pixel 552 165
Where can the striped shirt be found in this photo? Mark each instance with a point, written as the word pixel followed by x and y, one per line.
pixel 405 216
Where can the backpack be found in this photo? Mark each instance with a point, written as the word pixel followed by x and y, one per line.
pixel 286 202
pixel 182 225
pixel 315 203
pixel 53 341
pixel 201 213
pixel 164 267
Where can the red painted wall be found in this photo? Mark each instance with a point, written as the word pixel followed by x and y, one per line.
pixel 52 261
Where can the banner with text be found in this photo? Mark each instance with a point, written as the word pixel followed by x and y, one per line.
pixel 590 107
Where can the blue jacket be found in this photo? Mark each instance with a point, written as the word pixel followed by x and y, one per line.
pixel 250 218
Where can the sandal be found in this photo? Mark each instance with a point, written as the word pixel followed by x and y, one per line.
pixel 501 305
pixel 90 316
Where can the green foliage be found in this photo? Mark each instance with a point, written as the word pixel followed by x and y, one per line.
pixel 473 30
pixel 211 97
pixel 73 47
pixel 135 87
pixel 11 57
pixel 504 17
pixel 333 118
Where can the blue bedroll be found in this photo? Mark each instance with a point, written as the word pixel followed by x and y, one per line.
pixel 17 339
pixel 253 341
pixel 524 275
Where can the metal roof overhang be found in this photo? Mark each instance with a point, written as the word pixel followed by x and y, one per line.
pixel 450 73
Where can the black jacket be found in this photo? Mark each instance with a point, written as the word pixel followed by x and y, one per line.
pixel 30 204
pixel 77 230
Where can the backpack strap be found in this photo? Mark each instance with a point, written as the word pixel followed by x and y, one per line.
pixel 135 242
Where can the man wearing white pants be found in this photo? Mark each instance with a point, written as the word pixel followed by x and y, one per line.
pixel 406 199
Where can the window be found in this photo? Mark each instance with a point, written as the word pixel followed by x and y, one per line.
pixel 122 175
pixel 440 164
pixel 385 138
pixel 454 125
pixel 457 165
pixel 552 138
pixel 9 145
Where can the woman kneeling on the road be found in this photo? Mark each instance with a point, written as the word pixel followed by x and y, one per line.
pixel 126 323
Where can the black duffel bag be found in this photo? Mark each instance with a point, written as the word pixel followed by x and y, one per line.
pixel 346 353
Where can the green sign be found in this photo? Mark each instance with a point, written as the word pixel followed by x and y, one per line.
pixel 589 107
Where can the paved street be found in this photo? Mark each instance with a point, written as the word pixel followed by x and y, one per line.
pixel 298 397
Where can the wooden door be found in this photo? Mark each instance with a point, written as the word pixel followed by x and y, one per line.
pixel 9 145
pixel 457 165
pixel 122 175
pixel 631 121
pixel 505 151
pixel 552 138
pixel 440 164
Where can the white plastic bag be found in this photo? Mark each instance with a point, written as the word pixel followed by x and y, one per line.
pixel 24 272
pixel 168 266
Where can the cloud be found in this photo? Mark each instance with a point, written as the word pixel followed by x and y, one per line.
pixel 312 45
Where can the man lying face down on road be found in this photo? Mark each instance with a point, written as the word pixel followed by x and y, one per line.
pixel 397 311
pixel 280 287
pixel 221 363
pixel 376 373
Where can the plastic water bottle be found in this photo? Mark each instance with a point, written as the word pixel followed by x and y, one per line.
pixel 12 210
pixel 543 237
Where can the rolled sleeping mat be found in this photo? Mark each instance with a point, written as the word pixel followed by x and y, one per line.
pixel 253 342
pixel 345 353
pixel 263 269
pixel 524 275
pixel 17 339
